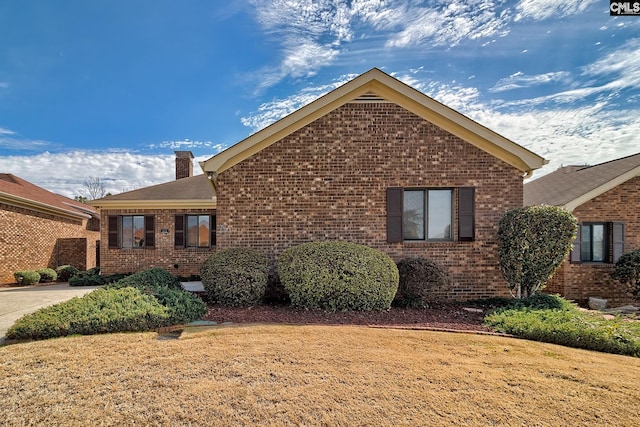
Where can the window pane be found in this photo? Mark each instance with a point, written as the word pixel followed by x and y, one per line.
pixel 413 215
pixel 598 242
pixel 138 231
pixel 585 240
pixel 203 230
pixel 192 230
pixel 127 232
pixel 439 225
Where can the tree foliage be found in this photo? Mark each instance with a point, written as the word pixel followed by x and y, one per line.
pixel 532 243
pixel 627 271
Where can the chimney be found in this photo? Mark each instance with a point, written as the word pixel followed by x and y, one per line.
pixel 184 165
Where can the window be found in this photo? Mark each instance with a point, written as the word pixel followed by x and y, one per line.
pixel 427 214
pixel 601 242
pixel 131 231
pixel 195 231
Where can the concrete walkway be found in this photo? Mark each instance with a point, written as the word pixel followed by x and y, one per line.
pixel 16 302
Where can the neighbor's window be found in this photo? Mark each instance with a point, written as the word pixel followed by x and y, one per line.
pixel 427 214
pixel 198 231
pixel 593 244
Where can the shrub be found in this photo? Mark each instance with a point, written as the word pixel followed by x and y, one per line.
pixel 101 311
pixel 532 243
pixel 65 272
pixel 27 277
pixel 338 276
pixel 421 281
pixel 236 276
pixel 85 278
pixel 47 275
pixel 182 306
pixel 569 327
pixel 627 271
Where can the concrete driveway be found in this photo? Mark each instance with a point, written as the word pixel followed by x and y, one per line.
pixel 16 302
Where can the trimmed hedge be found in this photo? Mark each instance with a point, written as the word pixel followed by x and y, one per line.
pixel 65 272
pixel 422 281
pixel 338 276
pixel 532 243
pixel 552 319
pixel 236 276
pixel 26 277
pixel 101 311
pixel 47 275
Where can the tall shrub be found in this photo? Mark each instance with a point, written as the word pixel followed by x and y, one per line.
pixel 236 276
pixel 627 271
pixel 532 243
pixel 338 276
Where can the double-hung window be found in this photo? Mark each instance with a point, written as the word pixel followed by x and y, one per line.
pixel 429 214
pixel 195 231
pixel 131 231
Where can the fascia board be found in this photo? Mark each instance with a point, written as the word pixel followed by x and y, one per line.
pixel 156 204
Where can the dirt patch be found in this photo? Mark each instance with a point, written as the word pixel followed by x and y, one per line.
pixel 442 316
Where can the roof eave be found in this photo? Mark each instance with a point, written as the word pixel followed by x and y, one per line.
pixel 609 185
pixel 156 204
pixel 22 202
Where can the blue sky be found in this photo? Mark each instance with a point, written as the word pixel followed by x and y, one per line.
pixel 110 89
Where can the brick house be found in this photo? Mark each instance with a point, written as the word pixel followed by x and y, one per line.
pixel 170 225
pixel 379 163
pixel 40 229
pixel 605 198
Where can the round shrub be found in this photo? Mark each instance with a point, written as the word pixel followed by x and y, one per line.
pixel 47 275
pixel 627 271
pixel 421 281
pixel 236 276
pixel 65 272
pixel 338 276
pixel 27 277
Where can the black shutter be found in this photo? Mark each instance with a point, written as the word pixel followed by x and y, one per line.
pixel 617 249
pixel 113 231
pixel 395 202
pixel 576 252
pixel 466 214
pixel 212 239
pixel 179 232
pixel 149 231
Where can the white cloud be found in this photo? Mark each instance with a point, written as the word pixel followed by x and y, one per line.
pixel 521 80
pixel 187 144
pixel 13 141
pixel 65 173
pixel 545 9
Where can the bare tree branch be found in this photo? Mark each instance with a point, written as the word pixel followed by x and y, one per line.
pixel 94 187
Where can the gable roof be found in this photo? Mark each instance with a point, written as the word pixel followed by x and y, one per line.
pixel 193 192
pixel 375 84
pixel 572 186
pixel 16 191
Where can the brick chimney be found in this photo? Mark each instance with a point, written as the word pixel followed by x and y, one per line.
pixel 184 165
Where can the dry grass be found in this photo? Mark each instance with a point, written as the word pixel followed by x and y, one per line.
pixel 313 375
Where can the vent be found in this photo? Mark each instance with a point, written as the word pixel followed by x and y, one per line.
pixel 369 97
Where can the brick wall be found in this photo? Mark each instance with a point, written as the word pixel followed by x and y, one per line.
pixel 328 181
pixel 581 281
pixel 29 241
pixel 181 261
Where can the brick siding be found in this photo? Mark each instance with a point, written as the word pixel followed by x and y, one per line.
pixel 30 240
pixel 328 181
pixel 180 261
pixel 581 281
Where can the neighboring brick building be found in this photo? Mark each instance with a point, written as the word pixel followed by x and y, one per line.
pixel 605 198
pixel 40 229
pixel 170 225
pixel 378 163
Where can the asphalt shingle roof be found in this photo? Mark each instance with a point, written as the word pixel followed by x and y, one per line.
pixel 192 188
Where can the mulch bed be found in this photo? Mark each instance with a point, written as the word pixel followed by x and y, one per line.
pixel 441 316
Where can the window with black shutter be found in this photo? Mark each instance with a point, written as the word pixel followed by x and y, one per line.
pixel 598 242
pixel 131 231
